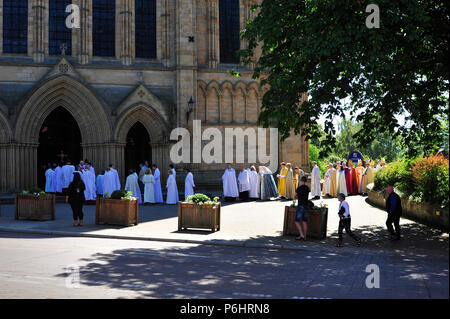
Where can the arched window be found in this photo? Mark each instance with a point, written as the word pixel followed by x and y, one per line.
pixel 15 23
pixel 145 29
pixel 59 33
pixel 229 30
pixel 104 28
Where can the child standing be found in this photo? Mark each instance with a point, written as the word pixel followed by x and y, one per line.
pixel 345 221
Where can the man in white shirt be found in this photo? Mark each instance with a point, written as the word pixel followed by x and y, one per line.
pixel 345 221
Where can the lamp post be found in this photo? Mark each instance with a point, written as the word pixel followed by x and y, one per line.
pixel 190 109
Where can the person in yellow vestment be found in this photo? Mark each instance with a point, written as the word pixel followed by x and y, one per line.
pixel 289 183
pixel 368 175
pixel 298 174
pixel 359 175
pixel 333 178
pixel 282 180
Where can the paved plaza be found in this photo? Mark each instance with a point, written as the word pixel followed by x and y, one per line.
pixel 247 258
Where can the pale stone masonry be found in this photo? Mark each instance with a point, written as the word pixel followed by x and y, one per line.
pixel 107 96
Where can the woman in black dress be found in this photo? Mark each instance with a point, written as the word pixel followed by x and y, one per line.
pixel 76 198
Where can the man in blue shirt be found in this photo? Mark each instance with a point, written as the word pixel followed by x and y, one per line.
pixel 394 210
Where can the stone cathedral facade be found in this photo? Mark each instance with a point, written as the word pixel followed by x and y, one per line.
pixel 131 66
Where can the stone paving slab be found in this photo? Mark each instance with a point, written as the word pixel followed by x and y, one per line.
pixel 250 224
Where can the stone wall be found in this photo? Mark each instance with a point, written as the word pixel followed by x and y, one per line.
pixel 422 212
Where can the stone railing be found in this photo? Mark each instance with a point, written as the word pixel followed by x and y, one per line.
pixel 424 213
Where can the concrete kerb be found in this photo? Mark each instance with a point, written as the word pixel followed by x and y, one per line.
pixel 170 240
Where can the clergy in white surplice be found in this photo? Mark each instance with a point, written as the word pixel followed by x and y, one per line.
pixel 149 182
pixel 88 178
pixel 99 183
pixel 49 180
pixel 157 188
pixel 139 195
pixel 116 176
pixel 171 189
pixel 175 177
pixel 188 184
pixel 315 181
pixel 341 185
pixel 109 183
pixel 67 176
pixel 58 178
pixel 244 184
pixel 254 183
pixel 132 185
pixel 230 189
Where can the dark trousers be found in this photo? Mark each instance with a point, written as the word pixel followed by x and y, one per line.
pixel 77 210
pixel 344 223
pixel 393 219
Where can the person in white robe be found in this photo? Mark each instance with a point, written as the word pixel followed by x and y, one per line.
pixel 341 185
pixel 49 180
pixel 139 194
pixel 188 184
pixel 254 183
pixel 67 176
pixel 116 176
pixel 171 189
pixel 132 185
pixel 230 189
pixel 89 181
pixel 109 183
pixel 149 182
pixel 157 188
pixel 315 181
pixel 58 178
pixel 244 184
pixel 99 183
pixel 175 177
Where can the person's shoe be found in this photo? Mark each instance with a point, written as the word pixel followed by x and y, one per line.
pixel 358 242
pixel 299 238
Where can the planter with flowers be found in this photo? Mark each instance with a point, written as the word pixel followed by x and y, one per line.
pixel 34 204
pixel 121 208
pixel 199 211
pixel 317 220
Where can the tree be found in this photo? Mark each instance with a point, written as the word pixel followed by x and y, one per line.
pixel 324 47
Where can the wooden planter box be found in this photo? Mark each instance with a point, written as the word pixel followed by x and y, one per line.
pixel 198 216
pixel 317 222
pixel 34 207
pixel 116 212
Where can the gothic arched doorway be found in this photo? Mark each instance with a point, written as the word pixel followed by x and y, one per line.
pixel 137 149
pixel 59 132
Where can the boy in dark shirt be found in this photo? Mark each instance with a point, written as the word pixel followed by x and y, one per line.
pixel 302 194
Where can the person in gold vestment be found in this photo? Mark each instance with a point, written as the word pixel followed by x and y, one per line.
pixel 289 183
pixel 282 180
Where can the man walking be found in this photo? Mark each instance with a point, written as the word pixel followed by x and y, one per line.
pixel 394 210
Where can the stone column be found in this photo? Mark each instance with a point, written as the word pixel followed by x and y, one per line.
pixel 82 37
pixel 126 31
pixel 213 33
pixel 38 29
pixel 164 28
pixel 186 57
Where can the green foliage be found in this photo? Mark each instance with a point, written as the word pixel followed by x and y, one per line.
pixel 422 179
pixel 202 199
pixel 323 47
pixel 34 191
pixel 120 194
pixel 397 174
pixel 431 179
